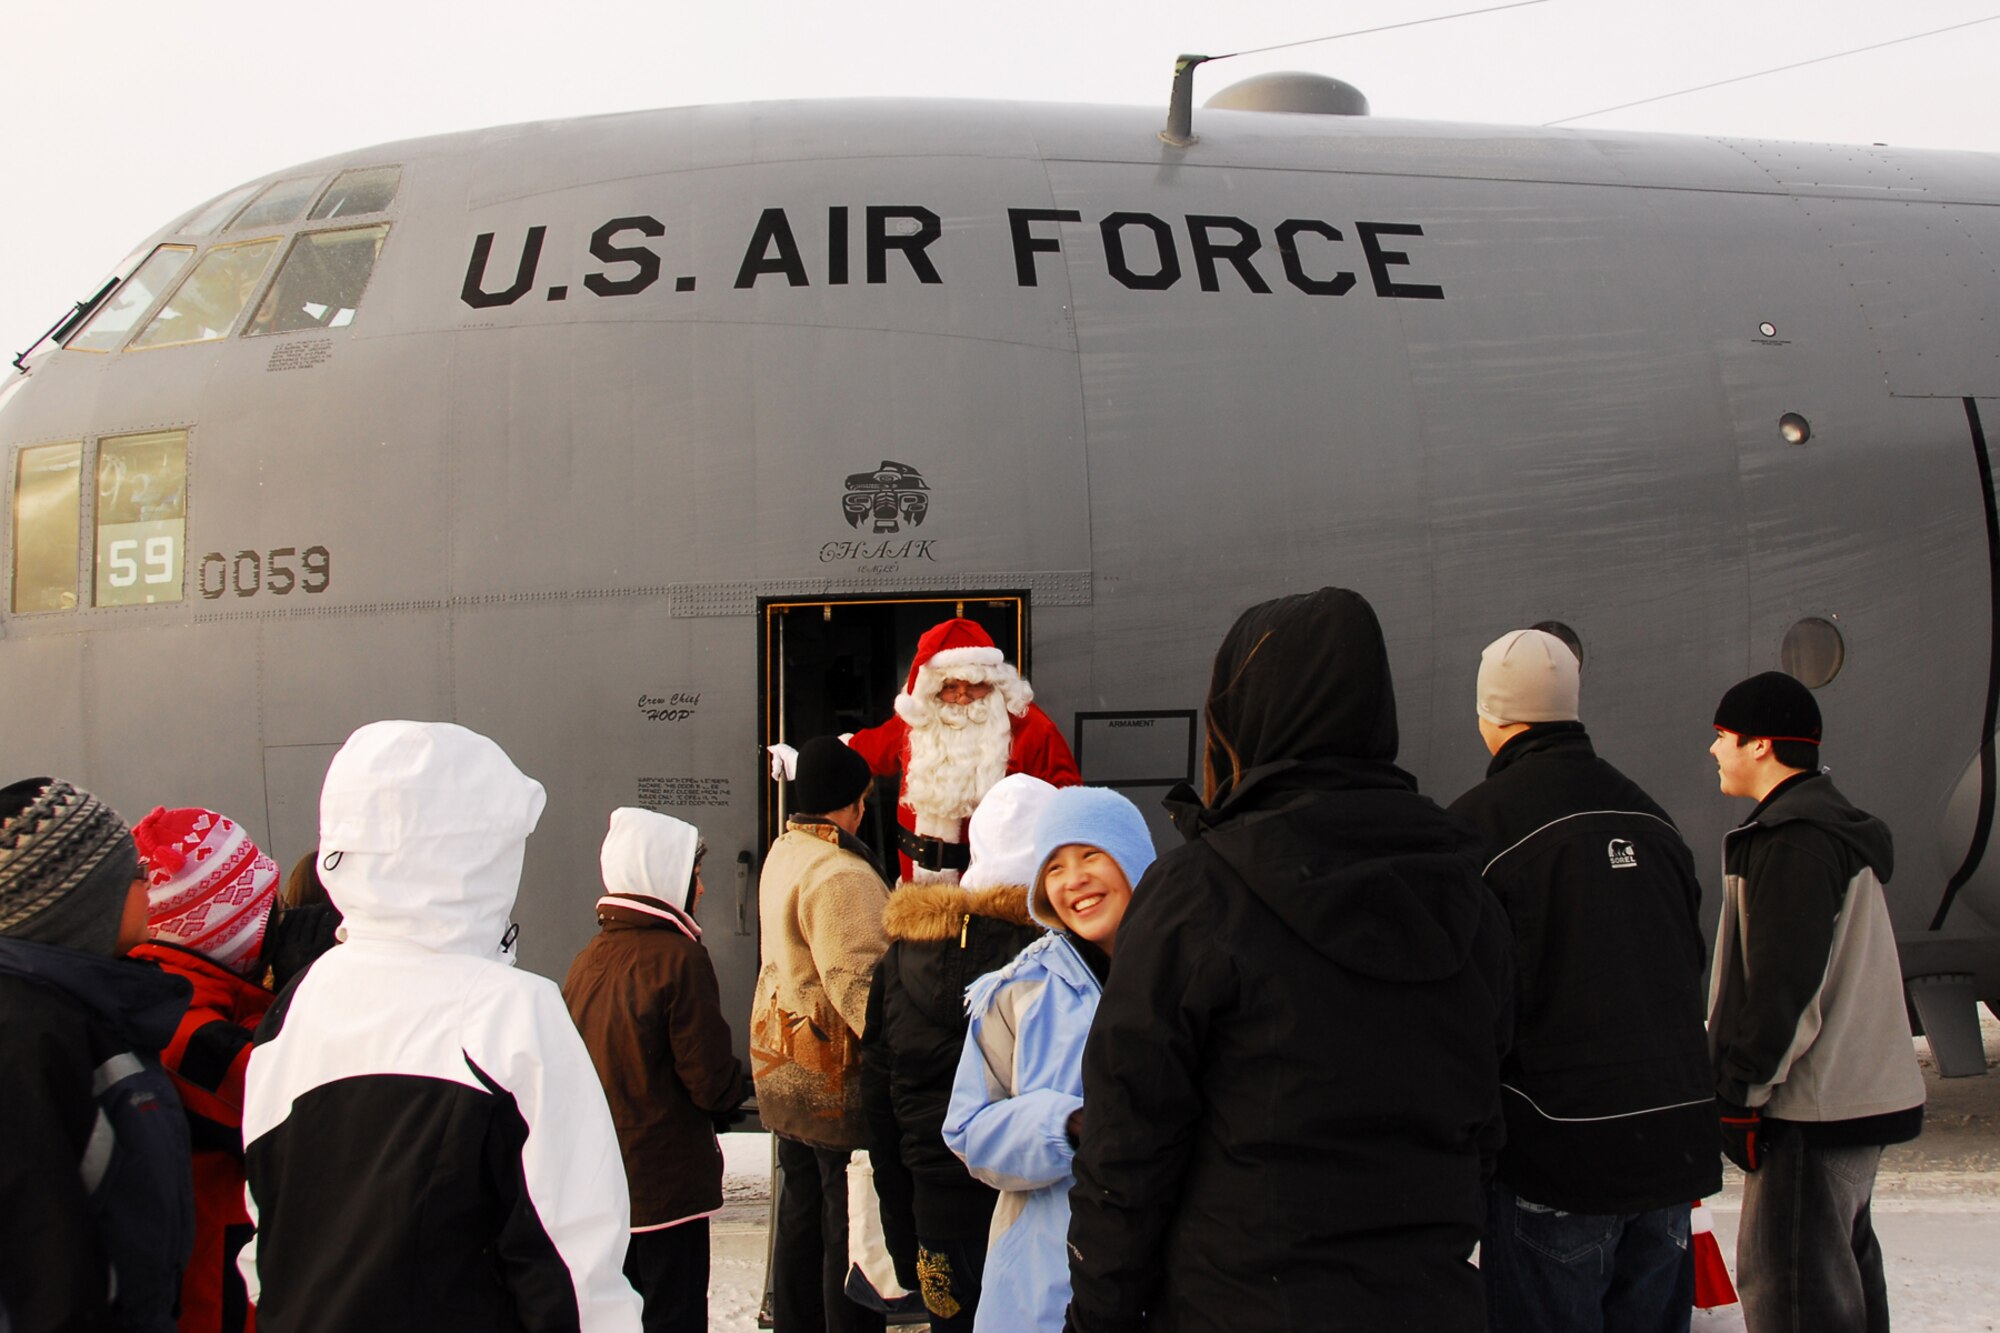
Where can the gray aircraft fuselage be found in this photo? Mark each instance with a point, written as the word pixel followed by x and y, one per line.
pixel 613 382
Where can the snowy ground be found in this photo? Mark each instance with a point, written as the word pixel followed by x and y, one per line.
pixel 1937 1211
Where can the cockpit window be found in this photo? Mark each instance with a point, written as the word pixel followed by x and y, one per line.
pixel 281 202
pixel 208 219
pixel 320 283
pixel 363 190
pixel 205 306
pixel 141 518
pixel 48 495
pixel 108 327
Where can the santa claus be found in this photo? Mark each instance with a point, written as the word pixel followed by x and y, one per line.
pixel 965 720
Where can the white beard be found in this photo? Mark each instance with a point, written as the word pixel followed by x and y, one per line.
pixel 955 758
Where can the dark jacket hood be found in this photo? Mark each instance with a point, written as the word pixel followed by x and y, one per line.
pixel 140 1002
pixel 1356 863
pixel 1310 810
pixel 1300 678
pixel 1812 798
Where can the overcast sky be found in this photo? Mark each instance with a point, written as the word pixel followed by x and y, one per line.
pixel 123 115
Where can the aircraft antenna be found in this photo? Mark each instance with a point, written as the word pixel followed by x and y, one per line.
pixel 1180 105
pixel 1777 69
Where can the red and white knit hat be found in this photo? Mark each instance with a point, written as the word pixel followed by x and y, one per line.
pixel 959 650
pixel 208 887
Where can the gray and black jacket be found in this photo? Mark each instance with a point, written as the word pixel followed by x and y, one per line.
pixel 1806 1015
pixel 1607 1087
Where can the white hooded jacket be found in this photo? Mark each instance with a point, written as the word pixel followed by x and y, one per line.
pixel 427 1144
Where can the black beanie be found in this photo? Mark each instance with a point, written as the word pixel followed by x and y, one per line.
pixel 1772 706
pixel 830 776
pixel 66 866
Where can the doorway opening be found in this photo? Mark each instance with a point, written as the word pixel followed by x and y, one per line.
pixel 834 665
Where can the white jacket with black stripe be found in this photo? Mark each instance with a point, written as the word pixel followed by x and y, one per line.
pixel 427 1142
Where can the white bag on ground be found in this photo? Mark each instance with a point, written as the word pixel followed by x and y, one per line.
pixel 871 1273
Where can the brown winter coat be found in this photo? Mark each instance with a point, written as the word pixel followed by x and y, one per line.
pixel 820 908
pixel 644 996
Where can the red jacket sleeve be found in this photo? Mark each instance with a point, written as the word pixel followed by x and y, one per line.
pixel 881 746
pixel 1040 751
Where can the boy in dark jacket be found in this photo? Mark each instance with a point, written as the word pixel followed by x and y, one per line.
pixel 1610 1133
pixel 1814 1072
pixel 210 892
pixel 1292 1087
pixel 644 996
pixel 942 938
pixel 96 1203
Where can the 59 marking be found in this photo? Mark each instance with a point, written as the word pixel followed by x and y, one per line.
pixel 278 571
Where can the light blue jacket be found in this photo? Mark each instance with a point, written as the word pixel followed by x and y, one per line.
pixel 1019 1077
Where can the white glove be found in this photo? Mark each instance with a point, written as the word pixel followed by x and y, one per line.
pixel 784 762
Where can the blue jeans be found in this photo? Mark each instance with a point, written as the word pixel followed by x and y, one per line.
pixel 1807 1260
pixel 1553 1272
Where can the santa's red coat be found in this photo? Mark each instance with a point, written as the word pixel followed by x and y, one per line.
pixel 1039 750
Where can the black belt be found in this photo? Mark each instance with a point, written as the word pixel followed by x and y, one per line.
pixel 933 853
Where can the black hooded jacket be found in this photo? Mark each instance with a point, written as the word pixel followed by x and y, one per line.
pixel 1607 1089
pixel 95 1171
pixel 1291 1090
pixel 942 938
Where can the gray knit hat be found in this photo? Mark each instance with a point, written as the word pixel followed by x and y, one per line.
pixel 1528 675
pixel 67 863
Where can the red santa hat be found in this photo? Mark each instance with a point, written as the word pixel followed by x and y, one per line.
pixel 208 887
pixel 959 650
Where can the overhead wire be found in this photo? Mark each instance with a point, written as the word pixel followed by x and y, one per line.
pixel 1779 69
pixel 1386 27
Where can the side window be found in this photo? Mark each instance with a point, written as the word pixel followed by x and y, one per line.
pixel 364 190
pixel 48 499
pixel 141 518
pixel 108 327
pixel 205 306
pixel 280 202
pixel 321 281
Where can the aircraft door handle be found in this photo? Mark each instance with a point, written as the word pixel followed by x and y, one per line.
pixel 743 912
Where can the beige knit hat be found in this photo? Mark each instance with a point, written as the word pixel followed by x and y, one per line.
pixel 1528 675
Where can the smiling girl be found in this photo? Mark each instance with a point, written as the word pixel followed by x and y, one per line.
pixel 1017 1103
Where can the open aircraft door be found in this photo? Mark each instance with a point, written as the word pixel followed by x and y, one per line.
pixel 834 665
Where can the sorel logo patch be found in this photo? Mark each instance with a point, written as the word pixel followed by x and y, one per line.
pixel 1623 857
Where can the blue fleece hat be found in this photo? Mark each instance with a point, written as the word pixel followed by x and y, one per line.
pixel 1091 817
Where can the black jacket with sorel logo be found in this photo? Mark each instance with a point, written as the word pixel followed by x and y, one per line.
pixel 1609 1101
